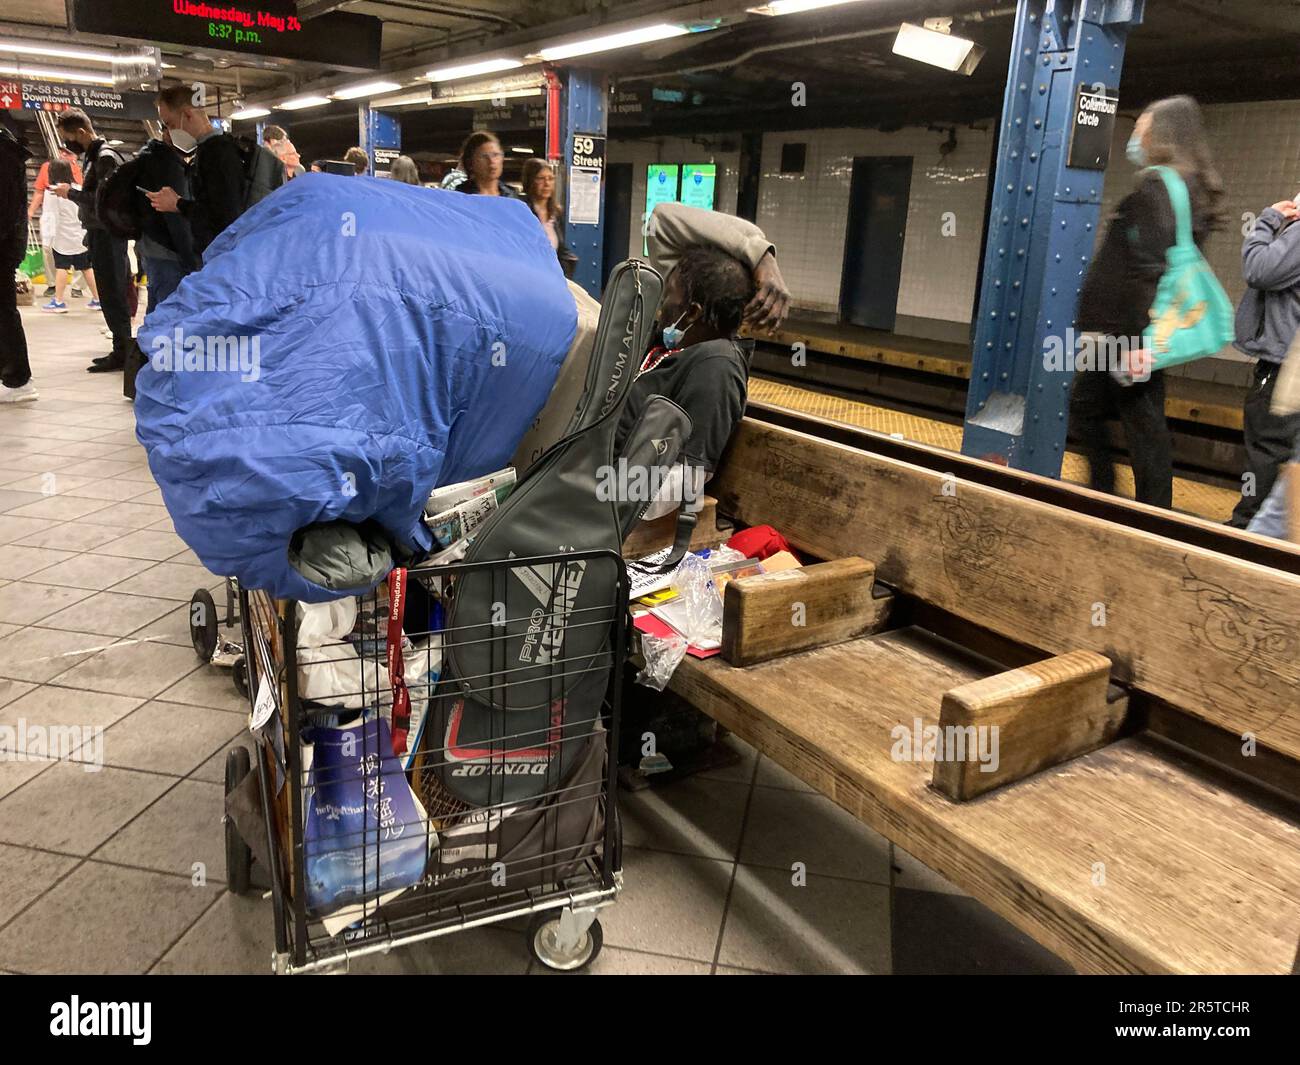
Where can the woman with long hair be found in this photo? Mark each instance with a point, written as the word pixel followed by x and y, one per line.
pixel 483 161
pixel 405 170
pixel 539 194
pixel 1120 289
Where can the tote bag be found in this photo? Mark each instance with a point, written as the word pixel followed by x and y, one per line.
pixel 1192 316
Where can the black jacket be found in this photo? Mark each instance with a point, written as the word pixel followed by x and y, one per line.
pixel 101 160
pixel 13 199
pixel 161 166
pixel 469 187
pixel 1122 280
pixel 709 381
pixel 216 189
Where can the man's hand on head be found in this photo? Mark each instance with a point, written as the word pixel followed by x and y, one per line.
pixel 771 303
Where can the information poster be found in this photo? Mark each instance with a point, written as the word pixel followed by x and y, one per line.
pixel 660 187
pixel 698 182
pixel 586 170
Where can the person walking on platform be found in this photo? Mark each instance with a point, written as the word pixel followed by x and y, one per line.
pixel 15 370
pixel 1268 320
pixel 1120 289
pixel 107 252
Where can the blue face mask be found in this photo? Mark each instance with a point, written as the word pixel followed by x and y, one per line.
pixel 673 335
pixel 1137 155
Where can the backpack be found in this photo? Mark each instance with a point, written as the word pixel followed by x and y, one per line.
pixel 515 741
pixel 1192 316
pixel 263 171
pixel 119 204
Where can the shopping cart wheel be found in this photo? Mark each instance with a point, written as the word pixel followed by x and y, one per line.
pixel 203 625
pixel 545 945
pixel 239 674
pixel 238 855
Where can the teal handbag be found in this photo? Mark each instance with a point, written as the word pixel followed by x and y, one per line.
pixel 1192 316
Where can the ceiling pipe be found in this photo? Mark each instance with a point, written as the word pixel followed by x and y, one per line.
pixel 803 42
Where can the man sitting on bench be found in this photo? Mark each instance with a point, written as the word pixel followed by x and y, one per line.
pixel 719 272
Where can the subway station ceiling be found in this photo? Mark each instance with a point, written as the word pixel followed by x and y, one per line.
pixel 741 70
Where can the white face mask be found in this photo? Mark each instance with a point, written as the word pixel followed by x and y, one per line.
pixel 183 142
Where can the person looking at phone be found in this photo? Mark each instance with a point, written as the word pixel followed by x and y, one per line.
pixel 166 243
pixel 216 174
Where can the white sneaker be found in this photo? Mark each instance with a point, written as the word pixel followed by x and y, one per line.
pixel 22 394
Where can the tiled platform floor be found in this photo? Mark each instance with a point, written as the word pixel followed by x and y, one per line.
pixel 99 871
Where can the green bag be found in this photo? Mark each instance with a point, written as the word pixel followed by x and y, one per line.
pixel 1192 316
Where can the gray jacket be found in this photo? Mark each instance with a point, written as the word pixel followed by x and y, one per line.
pixel 1269 315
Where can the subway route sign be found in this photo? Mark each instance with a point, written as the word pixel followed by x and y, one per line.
pixel 254 27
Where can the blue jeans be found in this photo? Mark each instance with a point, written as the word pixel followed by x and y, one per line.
pixel 1273 516
pixel 164 278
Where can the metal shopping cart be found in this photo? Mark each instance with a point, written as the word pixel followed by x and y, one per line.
pixel 402 791
pixel 206 633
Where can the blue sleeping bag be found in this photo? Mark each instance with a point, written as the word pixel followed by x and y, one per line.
pixel 349 345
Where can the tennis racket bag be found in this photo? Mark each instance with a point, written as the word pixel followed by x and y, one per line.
pixel 527 655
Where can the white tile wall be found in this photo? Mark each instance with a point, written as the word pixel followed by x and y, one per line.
pixel 805 215
pixel 1256 147
pixel 641 153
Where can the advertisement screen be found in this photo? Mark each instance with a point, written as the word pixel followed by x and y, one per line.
pixel 660 187
pixel 698 182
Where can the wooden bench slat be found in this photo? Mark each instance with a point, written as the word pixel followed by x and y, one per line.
pixel 1197 878
pixel 1217 637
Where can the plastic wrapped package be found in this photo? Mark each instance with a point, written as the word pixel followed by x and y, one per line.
pixel 662 655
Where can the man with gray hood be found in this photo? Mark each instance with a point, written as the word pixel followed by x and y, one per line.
pixel 1267 322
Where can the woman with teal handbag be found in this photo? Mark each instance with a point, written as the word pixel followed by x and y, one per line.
pixel 1150 296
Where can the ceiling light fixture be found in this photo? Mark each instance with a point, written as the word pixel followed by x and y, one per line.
pixel 645 35
pixel 469 70
pixel 87 55
pixel 250 112
pixel 371 88
pixel 300 102
pixel 934 43
pixel 24 71
pixel 795 7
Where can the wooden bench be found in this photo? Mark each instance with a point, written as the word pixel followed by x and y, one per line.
pixel 1132 851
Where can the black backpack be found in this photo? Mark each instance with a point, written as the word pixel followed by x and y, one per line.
pixel 263 171
pixel 119 204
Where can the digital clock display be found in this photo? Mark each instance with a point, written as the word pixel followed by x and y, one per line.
pixel 256 27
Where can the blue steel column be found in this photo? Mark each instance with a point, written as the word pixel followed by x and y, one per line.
pixel 378 129
pixel 586 99
pixel 1043 219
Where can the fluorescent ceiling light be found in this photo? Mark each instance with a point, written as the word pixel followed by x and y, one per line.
pixel 794 7
pixel 25 71
pixel 250 112
pixel 938 49
pixel 469 70
pixel 371 88
pixel 302 101
pixel 524 151
pixel 56 51
pixel 645 35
